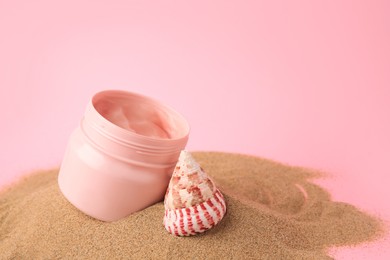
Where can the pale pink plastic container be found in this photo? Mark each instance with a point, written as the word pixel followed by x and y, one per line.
pixel 108 171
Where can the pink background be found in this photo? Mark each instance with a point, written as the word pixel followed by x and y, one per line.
pixel 303 83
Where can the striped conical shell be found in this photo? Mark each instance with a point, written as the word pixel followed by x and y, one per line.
pixel 192 203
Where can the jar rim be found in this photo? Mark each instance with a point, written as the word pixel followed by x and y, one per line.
pixel 127 136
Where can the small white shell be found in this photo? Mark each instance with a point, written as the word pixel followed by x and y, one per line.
pixel 192 203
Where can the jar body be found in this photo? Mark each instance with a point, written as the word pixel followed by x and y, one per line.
pixel 108 180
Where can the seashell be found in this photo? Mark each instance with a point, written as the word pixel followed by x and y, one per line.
pixel 193 204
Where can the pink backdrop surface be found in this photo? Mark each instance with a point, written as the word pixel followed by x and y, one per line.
pixel 302 82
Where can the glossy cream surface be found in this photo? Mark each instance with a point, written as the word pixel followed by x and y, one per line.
pixel 142 118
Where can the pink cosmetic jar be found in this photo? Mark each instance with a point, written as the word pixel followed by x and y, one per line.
pixel 121 157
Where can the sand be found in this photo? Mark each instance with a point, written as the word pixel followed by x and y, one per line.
pixel 274 212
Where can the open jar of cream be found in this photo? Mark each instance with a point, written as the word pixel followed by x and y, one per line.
pixel 120 159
